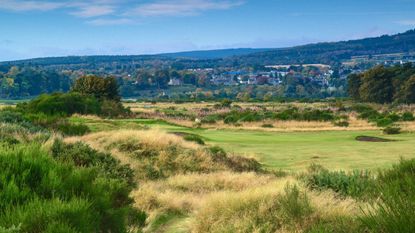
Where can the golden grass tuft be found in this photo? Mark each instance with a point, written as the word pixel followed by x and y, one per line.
pixel 272 208
pixel 154 138
pixel 191 193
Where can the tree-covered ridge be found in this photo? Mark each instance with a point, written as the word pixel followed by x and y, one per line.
pixel 384 85
pixel 333 52
pixel 30 81
pixel 327 53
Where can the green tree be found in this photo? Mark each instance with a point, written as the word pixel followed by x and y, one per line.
pixel 377 86
pixel 354 83
pixel 162 78
pixel 408 91
pixel 101 88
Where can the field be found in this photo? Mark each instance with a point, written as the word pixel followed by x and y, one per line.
pixel 335 149
pixel 270 168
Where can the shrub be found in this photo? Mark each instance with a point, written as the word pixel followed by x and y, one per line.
pixel 61 104
pixel 355 184
pixel 194 138
pixel 49 196
pixel 70 129
pixel 231 119
pixel 210 119
pixel 112 109
pixel 341 123
pixel 394 117
pixel 81 155
pixel 392 130
pixel 383 122
pixel 394 211
pixel 317 115
pixel 226 103
pixel 408 116
pixel 13 117
pixel 267 126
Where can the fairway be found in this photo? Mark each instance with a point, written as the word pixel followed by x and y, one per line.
pixel 297 150
pixel 291 151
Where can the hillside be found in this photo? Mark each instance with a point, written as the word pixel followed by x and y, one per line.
pixel 328 53
pixel 215 54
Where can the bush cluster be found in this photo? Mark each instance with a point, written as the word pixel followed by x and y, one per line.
pixel 356 184
pixel 66 104
pixel 247 115
pixel 384 119
pixel 390 193
pixel 41 194
pixel 394 210
pixel 81 155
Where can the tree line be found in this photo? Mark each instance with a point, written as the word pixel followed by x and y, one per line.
pixel 29 81
pixel 384 85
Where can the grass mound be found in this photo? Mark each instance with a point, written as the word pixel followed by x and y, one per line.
pixel 155 155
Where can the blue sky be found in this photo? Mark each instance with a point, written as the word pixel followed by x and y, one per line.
pixel 119 27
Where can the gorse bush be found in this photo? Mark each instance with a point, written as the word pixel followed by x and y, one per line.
pixel 248 115
pixel 394 210
pixel 408 116
pixel 81 155
pixel 392 130
pixel 62 104
pixel 69 129
pixel 356 184
pixel 381 119
pixel 41 194
pixel 59 104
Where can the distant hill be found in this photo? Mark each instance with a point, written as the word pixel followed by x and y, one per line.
pixel 214 54
pixel 333 52
pixel 88 60
pixel 327 53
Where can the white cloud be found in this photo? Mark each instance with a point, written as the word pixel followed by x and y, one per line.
pixel 181 7
pixel 109 22
pixel 408 22
pixel 117 12
pixel 89 11
pixel 15 5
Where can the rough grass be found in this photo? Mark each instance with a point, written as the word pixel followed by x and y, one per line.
pixel 155 154
pixel 292 150
pixel 186 195
pixel 273 208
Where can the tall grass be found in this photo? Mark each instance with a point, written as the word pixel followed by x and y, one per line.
pixel 40 194
pixel 157 155
pixel 394 211
pixel 255 212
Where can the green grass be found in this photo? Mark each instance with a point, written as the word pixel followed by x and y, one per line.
pixel 290 150
pixel 297 150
